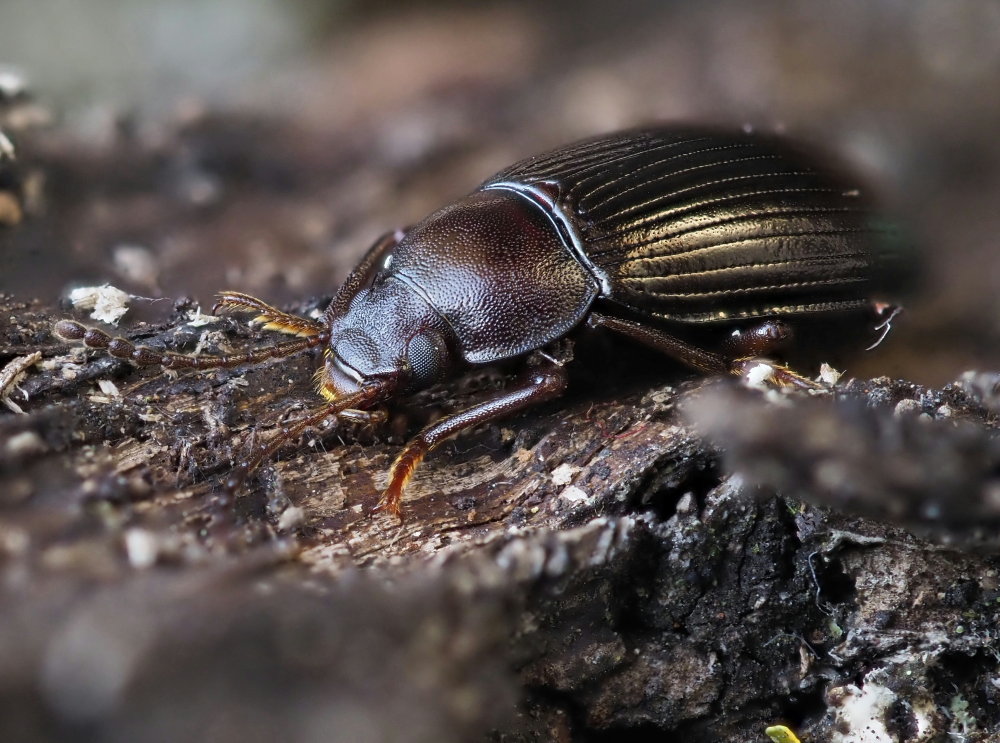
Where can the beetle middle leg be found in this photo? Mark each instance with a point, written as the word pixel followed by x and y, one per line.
pixel 742 352
pixel 754 345
pixel 542 383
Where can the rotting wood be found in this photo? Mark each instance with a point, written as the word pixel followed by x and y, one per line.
pixel 596 541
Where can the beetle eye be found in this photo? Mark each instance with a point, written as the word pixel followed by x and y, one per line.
pixel 425 354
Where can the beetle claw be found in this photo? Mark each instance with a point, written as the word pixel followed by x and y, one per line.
pixel 761 373
pixel 390 504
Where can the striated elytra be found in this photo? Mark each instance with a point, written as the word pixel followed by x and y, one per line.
pixel 716 248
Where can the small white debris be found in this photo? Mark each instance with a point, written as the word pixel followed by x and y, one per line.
pixel 862 713
pixel 291 518
pixel 686 505
pixel 11 83
pixel 197 318
pixel 142 548
pixel 109 388
pixel 573 494
pixel 829 375
pixel 6 147
pixel 203 340
pixel 13 406
pixel 907 407
pixel 759 377
pixel 108 303
pixel 563 474
pixel 24 443
pixel 12 374
pixel 14 541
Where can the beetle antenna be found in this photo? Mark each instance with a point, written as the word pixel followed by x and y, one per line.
pixel 361 399
pixel 270 318
pixel 121 348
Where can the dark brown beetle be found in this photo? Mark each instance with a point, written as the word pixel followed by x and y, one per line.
pixel 709 246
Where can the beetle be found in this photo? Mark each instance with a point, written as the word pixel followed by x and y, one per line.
pixel 711 246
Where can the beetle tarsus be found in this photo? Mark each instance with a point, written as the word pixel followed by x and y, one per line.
pixel 763 337
pixel 774 375
pixel 399 475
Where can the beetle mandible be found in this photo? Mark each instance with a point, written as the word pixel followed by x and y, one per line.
pixel 710 246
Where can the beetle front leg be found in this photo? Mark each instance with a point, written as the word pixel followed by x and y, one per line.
pixel 542 384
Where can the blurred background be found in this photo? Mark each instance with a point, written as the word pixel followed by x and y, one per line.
pixel 177 147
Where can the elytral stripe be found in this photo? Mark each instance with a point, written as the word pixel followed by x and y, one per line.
pixel 670 214
pixel 731 244
pixel 611 184
pixel 692 226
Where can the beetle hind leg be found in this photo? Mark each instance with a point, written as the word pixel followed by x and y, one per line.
pixel 756 370
pixel 758 341
pixel 750 349
pixel 270 318
pixel 739 356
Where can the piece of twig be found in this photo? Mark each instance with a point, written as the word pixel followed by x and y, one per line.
pixel 12 374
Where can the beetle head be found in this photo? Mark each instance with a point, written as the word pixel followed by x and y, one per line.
pixel 386 336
